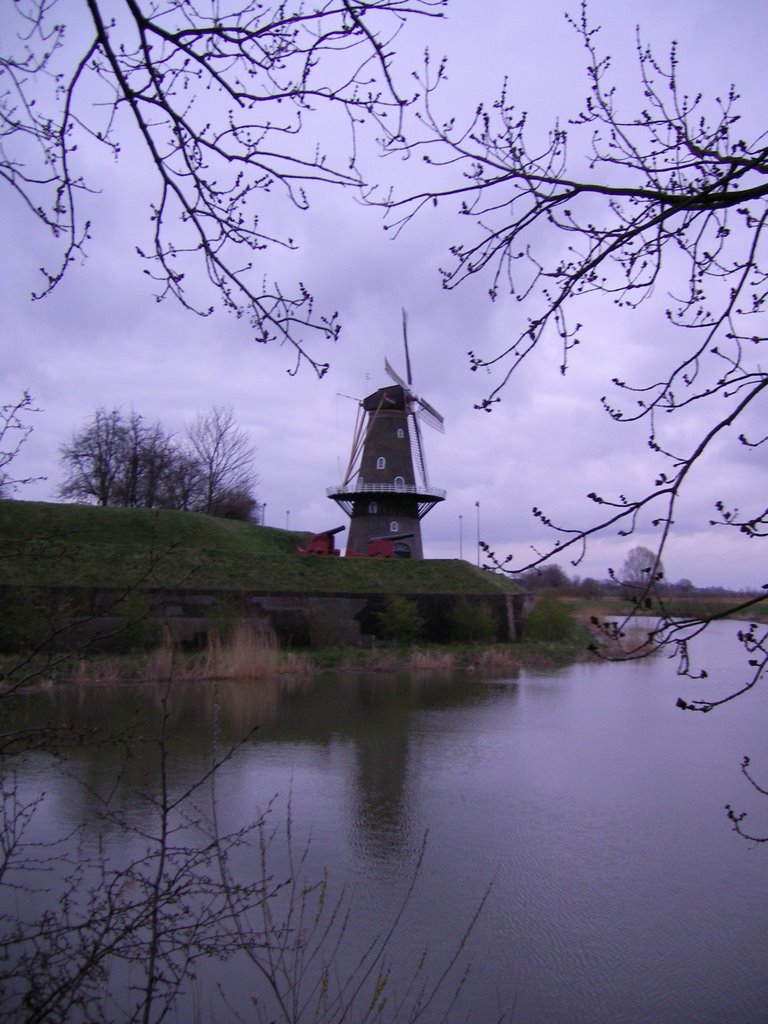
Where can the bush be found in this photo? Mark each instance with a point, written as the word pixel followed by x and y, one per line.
pixel 134 628
pixel 471 622
pixel 25 619
pixel 550 619
pixel 225 614
pixel 400 622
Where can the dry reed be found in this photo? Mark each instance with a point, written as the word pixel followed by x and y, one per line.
pixel 431 661
pixel 100 670
pixel 495 660
pixel 249 653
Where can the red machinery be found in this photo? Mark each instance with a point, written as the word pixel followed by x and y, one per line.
pixel 322 544
pixel 380 547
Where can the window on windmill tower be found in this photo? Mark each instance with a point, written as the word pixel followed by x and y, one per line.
pixel 399 483
pixel 400 432
pixel 381 462
pixel 394 526
pixel 373 508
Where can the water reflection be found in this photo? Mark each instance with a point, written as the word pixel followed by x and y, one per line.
pixel 595 806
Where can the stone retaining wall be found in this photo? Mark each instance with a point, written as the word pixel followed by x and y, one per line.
pixel 298 619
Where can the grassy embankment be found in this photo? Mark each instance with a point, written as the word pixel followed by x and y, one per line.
pixel 53 545
pixel 49 545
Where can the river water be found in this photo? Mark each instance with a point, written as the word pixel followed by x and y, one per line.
pixel 591 806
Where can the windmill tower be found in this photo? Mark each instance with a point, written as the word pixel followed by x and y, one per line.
pixel 385 490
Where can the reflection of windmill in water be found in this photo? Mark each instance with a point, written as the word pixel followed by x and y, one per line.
pixel 381 491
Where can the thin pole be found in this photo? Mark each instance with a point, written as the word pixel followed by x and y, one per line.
pixel 461 537
pixel 477 506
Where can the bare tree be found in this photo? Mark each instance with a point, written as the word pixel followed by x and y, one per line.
pixel 229 110
pixel 157 454
pixel 224 456
pixel 94 458
pixel 14 433
pixel 143 459
pixel 642 571
pixel 118 460
pixel 619 205
pixel 182 484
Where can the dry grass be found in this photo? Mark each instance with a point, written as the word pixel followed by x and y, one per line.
pixel 496 660
pixel 161 663
pixel 248 653
pixel 431 661
pixel 102 670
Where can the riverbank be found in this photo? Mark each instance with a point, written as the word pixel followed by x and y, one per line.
pixel 247 655
pixel 560 632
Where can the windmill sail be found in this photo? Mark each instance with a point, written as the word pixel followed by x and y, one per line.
pixel 395 375
pixel 418 449
pixel 408 373
pixel 430 415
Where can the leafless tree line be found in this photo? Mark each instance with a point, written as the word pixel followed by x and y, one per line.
pixel 120 459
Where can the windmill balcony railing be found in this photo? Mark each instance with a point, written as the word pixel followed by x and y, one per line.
pixel 358 488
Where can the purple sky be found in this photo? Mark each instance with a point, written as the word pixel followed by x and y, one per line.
pixel 101 339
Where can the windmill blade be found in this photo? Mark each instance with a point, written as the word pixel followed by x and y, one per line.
pixel 407 353
pixel 430 415
pixel 396 376
pixel 418 449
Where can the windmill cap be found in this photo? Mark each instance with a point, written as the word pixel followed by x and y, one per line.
pixel 391 398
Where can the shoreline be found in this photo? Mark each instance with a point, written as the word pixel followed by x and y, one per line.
pixel 254 665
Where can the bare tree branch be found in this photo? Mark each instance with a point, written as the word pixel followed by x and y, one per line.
pixel 228 109
pixel 617 205
pixel 14 433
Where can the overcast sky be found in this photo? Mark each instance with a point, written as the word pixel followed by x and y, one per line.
pixel 102 340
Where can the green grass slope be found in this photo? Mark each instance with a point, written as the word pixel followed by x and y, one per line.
pixel 45 544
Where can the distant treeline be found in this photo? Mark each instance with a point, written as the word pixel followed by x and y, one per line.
pixel 632 578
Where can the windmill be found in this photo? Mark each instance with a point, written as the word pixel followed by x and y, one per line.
pixel 386 490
